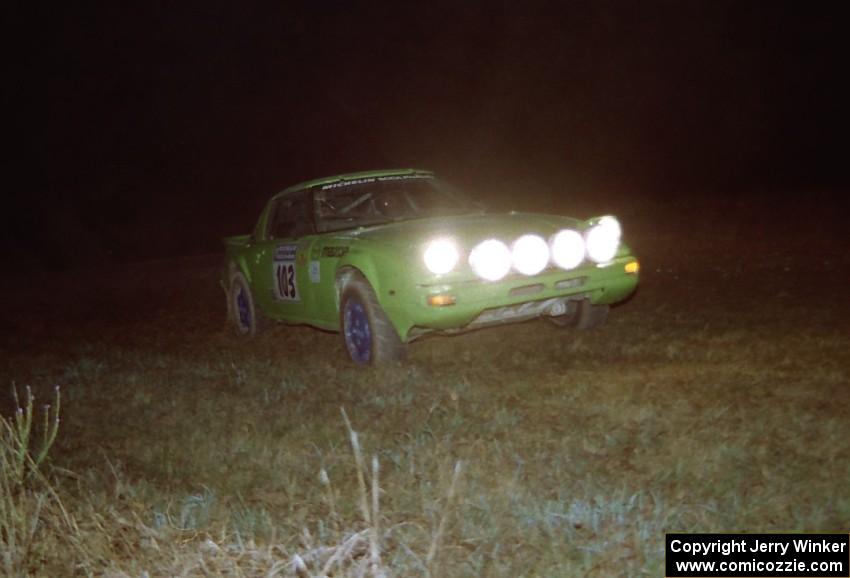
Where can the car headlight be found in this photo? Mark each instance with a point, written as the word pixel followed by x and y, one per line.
pixel 603 239
pixel 567 249
pixel 491 260
pixel 441 256
pixel 530 254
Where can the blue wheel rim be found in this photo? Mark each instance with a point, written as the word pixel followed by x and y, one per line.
pixel 244 309
pixel 358 332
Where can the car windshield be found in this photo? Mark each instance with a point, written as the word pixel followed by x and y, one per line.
pixel 375 200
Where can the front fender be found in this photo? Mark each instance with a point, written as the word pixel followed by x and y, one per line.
pixel 363 264
pixel 387 272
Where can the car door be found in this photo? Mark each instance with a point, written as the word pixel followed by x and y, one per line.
pixel 283 275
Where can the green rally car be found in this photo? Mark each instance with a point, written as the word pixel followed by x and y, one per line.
pixel 387 256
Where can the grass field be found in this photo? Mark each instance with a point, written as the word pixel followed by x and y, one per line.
pixel 715 400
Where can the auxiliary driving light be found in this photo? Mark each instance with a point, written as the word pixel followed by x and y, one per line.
pixel 568 249
pixel 441 256
pixel 530 254
pixel 490 259
pixel 603 239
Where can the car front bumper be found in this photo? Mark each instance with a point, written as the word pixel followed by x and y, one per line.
pixel 465 305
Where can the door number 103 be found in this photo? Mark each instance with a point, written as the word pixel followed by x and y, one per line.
pixel 287 289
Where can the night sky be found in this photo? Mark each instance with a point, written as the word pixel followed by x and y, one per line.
pixel 156 128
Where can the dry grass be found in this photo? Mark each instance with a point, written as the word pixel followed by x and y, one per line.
pixel 715 400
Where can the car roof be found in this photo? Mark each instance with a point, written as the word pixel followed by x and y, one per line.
pixel 352 176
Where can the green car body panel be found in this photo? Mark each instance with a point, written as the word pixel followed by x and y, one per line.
pixel 390 257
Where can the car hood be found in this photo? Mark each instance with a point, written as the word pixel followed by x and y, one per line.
pixel 465 230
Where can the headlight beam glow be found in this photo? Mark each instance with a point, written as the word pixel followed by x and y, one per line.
pixel 530 254
pixel 441 256
pixel 603 239
pixel 568 249
pixel 490 259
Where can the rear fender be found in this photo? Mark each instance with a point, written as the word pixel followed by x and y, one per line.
pixel 235 260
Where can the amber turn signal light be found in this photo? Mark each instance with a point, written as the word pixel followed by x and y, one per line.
pixel 441 300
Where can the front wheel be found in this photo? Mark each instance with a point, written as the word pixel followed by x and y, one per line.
pixel 582 315
pixel 369 337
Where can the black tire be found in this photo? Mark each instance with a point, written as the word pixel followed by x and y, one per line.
pixel 569 318
pixel 584 316
pixel 368 335
pixel 241 310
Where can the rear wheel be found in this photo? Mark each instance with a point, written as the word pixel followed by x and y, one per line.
pixel 369 337
pixel 242 311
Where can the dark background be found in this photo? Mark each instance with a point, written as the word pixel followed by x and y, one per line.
pixel 148 130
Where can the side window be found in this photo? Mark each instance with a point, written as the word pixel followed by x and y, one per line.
pixel 292 217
